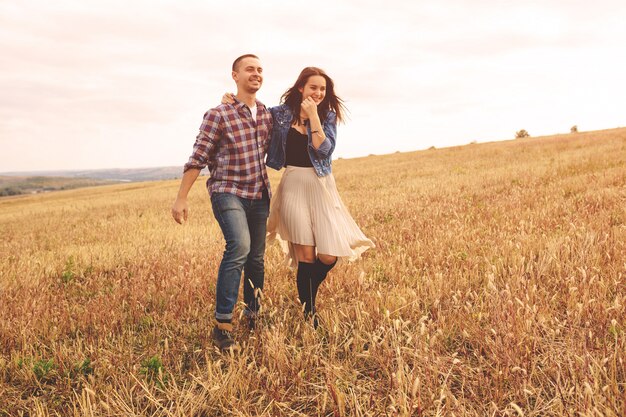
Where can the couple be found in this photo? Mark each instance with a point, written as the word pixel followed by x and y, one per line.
pixel 306 212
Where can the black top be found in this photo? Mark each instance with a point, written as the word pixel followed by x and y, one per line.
pixel 297 153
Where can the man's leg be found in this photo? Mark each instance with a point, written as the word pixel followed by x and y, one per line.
pixel 254 270
pixel 230 214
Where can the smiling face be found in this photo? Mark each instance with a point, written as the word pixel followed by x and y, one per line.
pixel 248 75
pixel 315 88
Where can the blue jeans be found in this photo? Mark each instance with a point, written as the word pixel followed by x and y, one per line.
pixel 243 222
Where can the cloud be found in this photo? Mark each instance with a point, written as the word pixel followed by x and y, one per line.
pixel 89 79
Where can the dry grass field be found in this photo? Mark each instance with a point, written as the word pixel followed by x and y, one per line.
pixel 497 288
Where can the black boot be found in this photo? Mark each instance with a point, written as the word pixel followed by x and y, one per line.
pixel 320 271
pixel 305 287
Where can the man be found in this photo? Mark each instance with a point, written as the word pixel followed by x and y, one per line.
pixel 232 142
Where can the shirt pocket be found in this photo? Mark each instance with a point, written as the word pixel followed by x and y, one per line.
pixel 263 132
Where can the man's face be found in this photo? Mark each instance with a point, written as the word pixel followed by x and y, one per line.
pixel 249 75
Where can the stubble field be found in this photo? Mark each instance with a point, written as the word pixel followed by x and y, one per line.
pixel 497 287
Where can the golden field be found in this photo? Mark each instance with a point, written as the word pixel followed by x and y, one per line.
pixel 497 287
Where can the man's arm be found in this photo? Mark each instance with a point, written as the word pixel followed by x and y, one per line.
pixel 206 142
pixel 180 209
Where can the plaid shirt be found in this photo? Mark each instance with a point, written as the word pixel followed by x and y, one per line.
pixel 233 146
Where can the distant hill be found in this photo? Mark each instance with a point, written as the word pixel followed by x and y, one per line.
pixel 13 185
pixel 18 183
pixel 124 175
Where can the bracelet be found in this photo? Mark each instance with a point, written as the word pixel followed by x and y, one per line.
pixel 315 131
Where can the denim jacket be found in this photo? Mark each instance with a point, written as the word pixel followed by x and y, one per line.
pixel 320 158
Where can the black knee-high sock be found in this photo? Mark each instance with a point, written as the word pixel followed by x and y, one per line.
pixel 304 282
pixel 320 270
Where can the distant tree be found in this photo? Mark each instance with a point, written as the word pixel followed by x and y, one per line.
pixel 522 134
pixel 573 129
pixel 8 191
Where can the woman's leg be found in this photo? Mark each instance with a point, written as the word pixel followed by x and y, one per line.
pixel 323 264
pixel 327 259
pixel 304 278
pixel 312 271
pixel 305 253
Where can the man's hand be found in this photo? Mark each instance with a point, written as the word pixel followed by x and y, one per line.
pixel 180 210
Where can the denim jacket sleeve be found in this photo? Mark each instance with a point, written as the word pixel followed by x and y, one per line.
pixel 330 130
pixel 280 125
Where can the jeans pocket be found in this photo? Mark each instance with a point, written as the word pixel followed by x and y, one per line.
pixel 224 202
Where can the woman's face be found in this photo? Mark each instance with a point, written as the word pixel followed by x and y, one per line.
pixel 315 88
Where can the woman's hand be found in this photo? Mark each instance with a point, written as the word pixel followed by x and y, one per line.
pixel 228 98
pixel 309 107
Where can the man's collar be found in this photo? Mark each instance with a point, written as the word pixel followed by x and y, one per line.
pixel 239 104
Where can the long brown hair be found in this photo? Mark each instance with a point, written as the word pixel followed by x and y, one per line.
pixel 293 97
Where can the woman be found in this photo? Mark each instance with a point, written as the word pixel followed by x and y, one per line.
pixel 306 213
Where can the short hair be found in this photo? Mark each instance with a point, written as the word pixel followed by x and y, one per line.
pixel 236 62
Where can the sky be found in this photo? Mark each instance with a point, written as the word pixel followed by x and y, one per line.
pixel 92 84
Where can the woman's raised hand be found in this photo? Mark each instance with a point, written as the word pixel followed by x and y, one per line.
pixel 309 107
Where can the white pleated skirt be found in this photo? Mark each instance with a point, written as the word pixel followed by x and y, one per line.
pixel 307 210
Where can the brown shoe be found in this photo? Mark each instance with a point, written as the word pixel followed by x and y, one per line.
pixel 222 337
